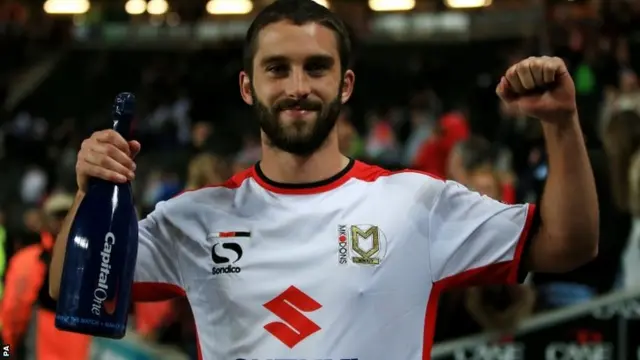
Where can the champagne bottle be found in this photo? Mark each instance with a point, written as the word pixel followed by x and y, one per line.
pixel 101 251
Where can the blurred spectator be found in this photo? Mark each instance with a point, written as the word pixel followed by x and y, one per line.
pixel 472 161
pixel 434 153
pixel 161 185
pixel 381 143
pixel 248 155
pixel 33 222
pixel 622 143
pixel 207 169
pixel 466 156
pixel 486 181
pixel 3 253
pixel 500 308
pixel 423 111
pixel 27 311
pixel 349 140
pixel 200 134
pixel 34 185
pixel 522 138
pixel 627 97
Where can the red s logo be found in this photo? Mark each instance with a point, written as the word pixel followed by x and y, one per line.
pixel 289 307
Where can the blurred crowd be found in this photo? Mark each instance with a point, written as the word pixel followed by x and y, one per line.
pixel 195 132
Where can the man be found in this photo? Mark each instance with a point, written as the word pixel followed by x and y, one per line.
pixel 27 311
pixel 309 254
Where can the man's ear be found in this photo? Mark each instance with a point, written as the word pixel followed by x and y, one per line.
pixel 347 86
pixel 245 88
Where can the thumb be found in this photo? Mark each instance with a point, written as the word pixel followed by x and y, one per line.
pixel 134 147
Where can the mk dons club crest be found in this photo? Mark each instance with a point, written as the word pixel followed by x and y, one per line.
pixel 361 244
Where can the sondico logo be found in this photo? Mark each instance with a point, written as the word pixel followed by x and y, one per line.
pixel 221 259
pixel 101 291
pixel 222 253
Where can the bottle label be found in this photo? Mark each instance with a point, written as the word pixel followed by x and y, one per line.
pixel 101 292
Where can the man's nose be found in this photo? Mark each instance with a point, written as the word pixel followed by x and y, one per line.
pixel 298 85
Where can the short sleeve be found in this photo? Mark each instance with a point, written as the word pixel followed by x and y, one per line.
pixel 157 274
pixel 476 240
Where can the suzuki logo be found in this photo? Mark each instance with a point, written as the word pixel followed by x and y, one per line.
pixel 289 307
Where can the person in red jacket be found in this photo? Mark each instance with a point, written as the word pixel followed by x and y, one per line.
pixel 27 312
pixel 433 155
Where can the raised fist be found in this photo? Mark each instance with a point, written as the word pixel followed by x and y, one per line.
pixel 539 87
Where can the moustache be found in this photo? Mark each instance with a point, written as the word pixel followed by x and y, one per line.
pixel 298 104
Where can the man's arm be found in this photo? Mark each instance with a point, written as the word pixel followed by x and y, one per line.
pixel 60 247
pixel 474 240
pixel 542 88
pixel 568 233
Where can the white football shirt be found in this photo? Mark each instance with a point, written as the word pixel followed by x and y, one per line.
pixel 347 268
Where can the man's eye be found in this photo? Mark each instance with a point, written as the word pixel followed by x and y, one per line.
pixel 316 68
pixel 276 69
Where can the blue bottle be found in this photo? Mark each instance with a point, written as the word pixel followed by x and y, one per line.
pixel 101 252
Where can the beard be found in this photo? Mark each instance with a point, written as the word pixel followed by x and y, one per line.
pixel 301 138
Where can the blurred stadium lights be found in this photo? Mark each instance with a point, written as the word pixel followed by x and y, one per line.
pixel 467 4
pixel 157 7
pixel 324 3
pixel 135 7
pixel 229 7
pixel 66 6
pixel 391 5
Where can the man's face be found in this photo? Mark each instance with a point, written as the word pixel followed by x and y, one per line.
pixel 297 87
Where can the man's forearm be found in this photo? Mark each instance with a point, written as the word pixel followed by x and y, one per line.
pixel 569 206
pixel 59 249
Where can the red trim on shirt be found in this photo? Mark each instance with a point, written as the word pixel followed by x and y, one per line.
pixel 503 272
pixel 359 170
pixel 233 183
pixel 525 235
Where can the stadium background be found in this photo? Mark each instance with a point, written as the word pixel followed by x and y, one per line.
pixel 426 73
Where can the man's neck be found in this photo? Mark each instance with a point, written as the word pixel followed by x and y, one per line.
pixel 283 167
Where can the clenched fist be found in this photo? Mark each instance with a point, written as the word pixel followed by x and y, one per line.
pixel 539 87
pixel 106 155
